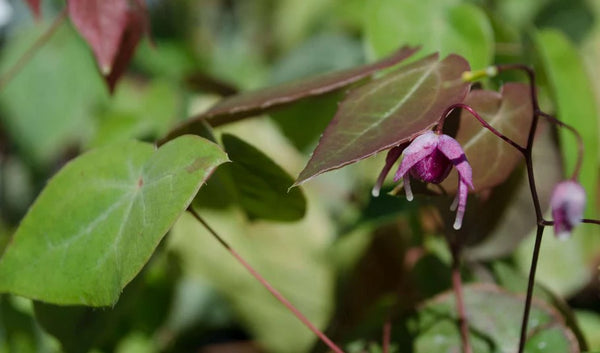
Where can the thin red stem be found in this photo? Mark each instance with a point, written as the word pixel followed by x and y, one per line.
pixel 460 305
pixel 268 286
pixel 32 50
pixel 387 334
pixel 482 121
pixel 580 147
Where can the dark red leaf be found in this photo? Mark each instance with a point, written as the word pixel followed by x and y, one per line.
pixel 34 5
pixel 389 111
pixel 267 99
pixel 135 29
pixel 259 101
pixel 102 23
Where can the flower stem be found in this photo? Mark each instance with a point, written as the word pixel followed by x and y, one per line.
pixel 460 305
pixel 482 121
pixel 530 285
pixel 32 50
pixel 580 148
pixel 267 285
pixel 387 334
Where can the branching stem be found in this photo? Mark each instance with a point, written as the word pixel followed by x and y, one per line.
pixel 267 285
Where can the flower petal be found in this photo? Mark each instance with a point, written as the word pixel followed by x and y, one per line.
pixel 453 150
pixel 390 159
pixel 407 189
pixel 567 203
pixel 419 148
pixel 462 204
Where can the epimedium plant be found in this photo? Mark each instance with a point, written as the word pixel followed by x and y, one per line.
pixel 84 247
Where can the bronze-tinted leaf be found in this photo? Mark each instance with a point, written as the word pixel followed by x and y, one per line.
pixel 102 24
pixel 34 5
pixel 492 159
pixel 137 23
pixel 494 317
pixel 389 111
pixel 267 99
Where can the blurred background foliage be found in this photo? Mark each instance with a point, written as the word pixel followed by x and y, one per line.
pixel 351 261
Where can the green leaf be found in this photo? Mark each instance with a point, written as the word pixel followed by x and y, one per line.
pixel 509 112
pixel 48 105
pixel 494 322
pixel 590 325
pixel 388 111
pixel 572 91
pixel 439 26
pixel 261 185
pixel 100 218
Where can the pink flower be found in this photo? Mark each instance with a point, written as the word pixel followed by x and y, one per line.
pixel 429 158
pixel 567 203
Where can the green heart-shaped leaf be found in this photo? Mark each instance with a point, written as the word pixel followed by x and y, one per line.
pixel 100 218
pixel 494 318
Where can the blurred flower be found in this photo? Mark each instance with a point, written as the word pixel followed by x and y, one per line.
pixel 429 158
pixel 567 203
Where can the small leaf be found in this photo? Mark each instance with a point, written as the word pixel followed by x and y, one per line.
pixel 34 5
pixel 388 111
pixel 509 112
pixel 261 185
pixel 102 23
pixel 100 218
pixel 266 99
pixel 494 322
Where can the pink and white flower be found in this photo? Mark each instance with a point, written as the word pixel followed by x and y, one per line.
pixel 567 203
pixel 429 158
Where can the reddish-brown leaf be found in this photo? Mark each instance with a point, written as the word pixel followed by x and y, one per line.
pixel 135 29
pixel 102 23
pixel 389 111
pixel 34 5
pixel 260 100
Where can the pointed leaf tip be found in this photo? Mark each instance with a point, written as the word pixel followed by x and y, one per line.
pixel 388 111
pixel 34 5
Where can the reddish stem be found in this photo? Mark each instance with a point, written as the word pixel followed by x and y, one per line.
pixel 268 286
pixel 32 50
pixel 580 148
pixel 482 121
pixel 387 334
pixel 460 305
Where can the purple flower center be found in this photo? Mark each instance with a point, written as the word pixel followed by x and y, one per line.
pixel 433 168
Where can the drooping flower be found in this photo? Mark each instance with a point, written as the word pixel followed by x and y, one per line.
pixel 429 158
pixel 567 203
